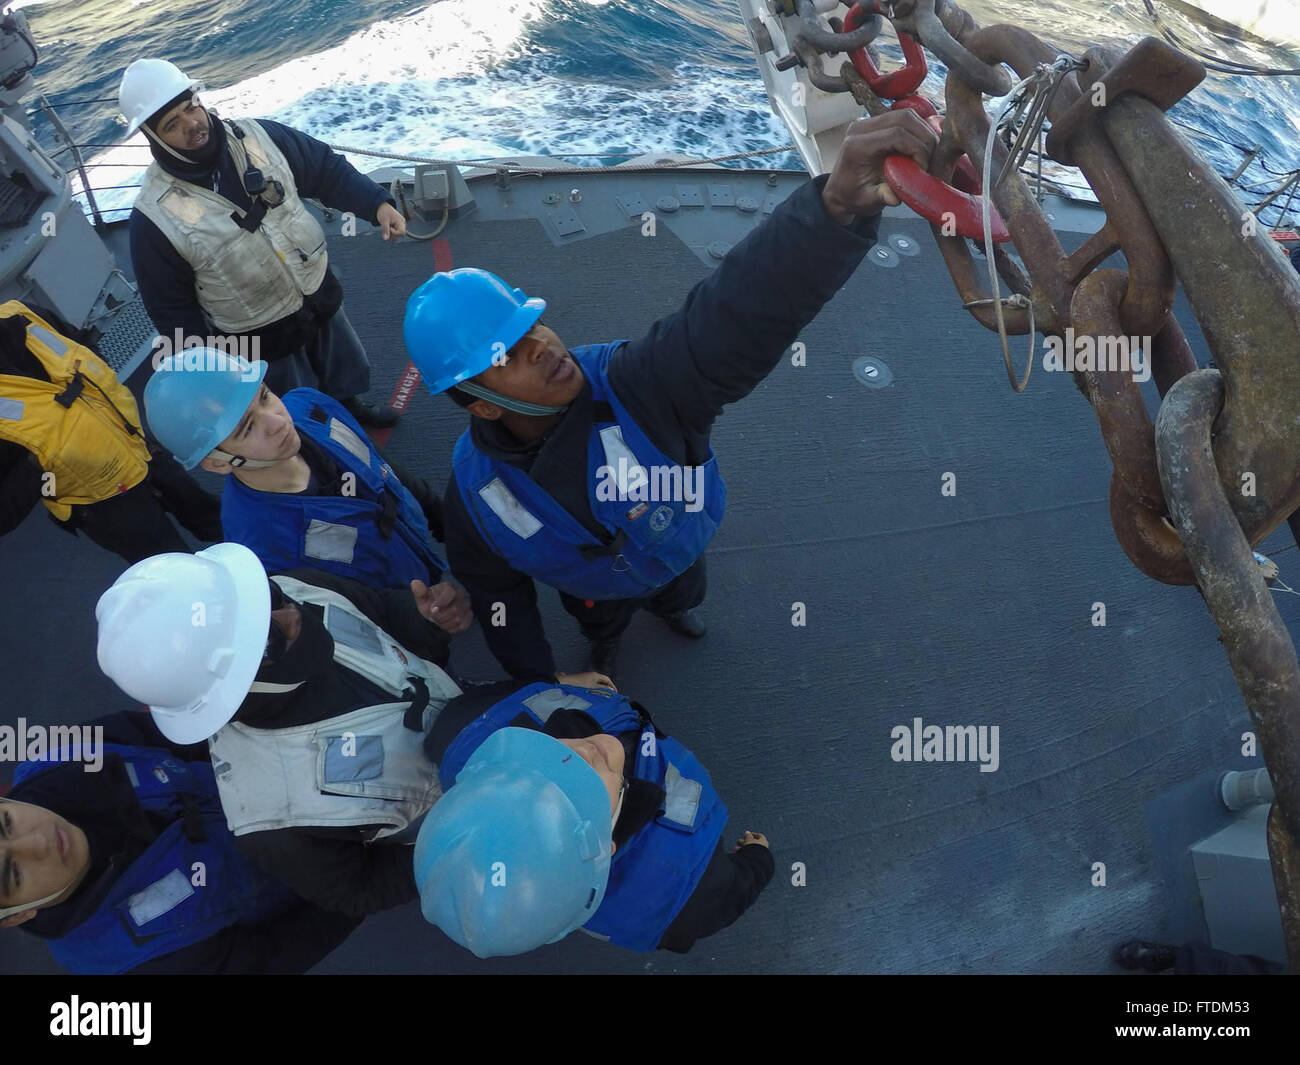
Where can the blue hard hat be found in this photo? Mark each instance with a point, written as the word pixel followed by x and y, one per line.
pixel 517 852
pixel 457 321
pixel 195 399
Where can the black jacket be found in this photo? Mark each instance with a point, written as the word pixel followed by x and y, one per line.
pixel 104 805
pixel 732 881
pixel 335 867
pixel 733 329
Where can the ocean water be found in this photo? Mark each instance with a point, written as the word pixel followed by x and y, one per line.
pixel 472 78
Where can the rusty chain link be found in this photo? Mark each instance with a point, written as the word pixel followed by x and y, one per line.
pixel 1219 470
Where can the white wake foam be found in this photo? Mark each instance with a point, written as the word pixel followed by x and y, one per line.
pixel 456 80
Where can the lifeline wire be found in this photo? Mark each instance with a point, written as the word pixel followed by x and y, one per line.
pixel 1062 65
pixel 1215 62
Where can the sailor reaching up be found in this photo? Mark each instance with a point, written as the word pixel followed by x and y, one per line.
pixel 591 470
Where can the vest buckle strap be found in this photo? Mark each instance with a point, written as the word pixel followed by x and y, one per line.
pixel 387 521
pixel 72 393
pixel 192 820
pixel 252 221
pixel 414 717
pixel 591 552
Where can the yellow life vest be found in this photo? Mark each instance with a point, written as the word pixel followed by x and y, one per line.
pixel 82 424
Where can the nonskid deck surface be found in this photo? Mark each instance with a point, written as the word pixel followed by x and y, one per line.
pixel 973 609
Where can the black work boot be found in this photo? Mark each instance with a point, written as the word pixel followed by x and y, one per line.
pixel 1140 954
pixel 371 414
pixel 687 623
pixel 604 653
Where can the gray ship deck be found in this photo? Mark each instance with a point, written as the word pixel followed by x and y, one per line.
pixel 973 609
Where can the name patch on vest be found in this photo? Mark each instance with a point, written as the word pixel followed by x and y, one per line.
pixel 353 631
pixel 544 704
pixel 159 897
pixel 349 758
pixel 11 410
pixel 330 542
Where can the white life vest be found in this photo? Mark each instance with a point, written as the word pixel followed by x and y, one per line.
pixel 243 280
pixel 364 767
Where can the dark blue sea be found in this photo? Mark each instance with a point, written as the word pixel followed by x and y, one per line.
pixel 474 78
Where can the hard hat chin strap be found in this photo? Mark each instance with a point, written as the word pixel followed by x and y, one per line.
pixel 164 145
pixel 519 406
pixel 9 911
pixel 241 463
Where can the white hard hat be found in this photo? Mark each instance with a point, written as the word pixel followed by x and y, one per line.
pixel 186 635
pixel 146 86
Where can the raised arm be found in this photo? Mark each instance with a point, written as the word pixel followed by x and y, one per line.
pixel 736 324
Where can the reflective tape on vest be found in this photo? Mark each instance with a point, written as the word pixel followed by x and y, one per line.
pixel 348 439
pixel 623 464
pixel 56 343
pixel 505 506
pixel 544 704
pixel 681 798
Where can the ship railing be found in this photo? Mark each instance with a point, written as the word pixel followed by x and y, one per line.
pixel 1264 194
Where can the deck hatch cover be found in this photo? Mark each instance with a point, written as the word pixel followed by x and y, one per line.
pixel 566 222
pixel 633 206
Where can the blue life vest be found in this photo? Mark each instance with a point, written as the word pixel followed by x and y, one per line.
pixel 654 541
pixel 654 873
pixel 379 536
pixel 154 907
